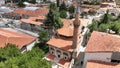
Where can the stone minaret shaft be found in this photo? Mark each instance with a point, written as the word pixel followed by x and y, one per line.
pixel 76 35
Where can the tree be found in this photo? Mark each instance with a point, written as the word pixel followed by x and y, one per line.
pixel 103 27
pixel 71 9
pixel 58 3
pixel 15 59
pixel 63 7
pixel 20 4
pixel 93 26
pixel 43 37
pixel 92 11
pixel 53 18
pixel 105 18
pixel 32 1
pixel 83 14
pixel 63 14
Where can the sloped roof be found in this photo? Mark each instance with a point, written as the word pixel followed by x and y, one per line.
pixel 7 36
pixel 22 11
pixel 103 42
pixel 63 44
pixel 64 63
pixel 67 29
pixel 30 22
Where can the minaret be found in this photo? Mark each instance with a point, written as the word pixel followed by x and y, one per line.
pixel 76 35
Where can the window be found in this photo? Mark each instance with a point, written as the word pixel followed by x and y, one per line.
pixel 82 29
pixel 58 56
pixel 65 56
pixel 52 51
pixel 81 63
pixel 117 61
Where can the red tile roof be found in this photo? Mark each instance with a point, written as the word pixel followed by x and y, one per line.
pixel 19 39
pixel 101 42
pixel 30 22
pixel 39 17
pixel 99 64
pixel 64 63
pixel 21 11
pixel 51 57
pixel 64 44
pixel 67 29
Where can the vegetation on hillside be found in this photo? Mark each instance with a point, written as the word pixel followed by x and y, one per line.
pixel 108 21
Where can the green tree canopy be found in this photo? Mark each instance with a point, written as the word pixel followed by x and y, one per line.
pixel 53 18
pixel 20 4
pixel 62 7
pixel 63 14
pixel 11 57
pixel 71 9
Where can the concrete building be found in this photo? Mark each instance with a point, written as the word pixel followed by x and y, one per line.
pixel 32 23
pixel 26 13
pixel 2 2
pixel 22 41
pixel 101 64
pixel 102 47
pixel 64 47
pixel 39 1
pixel 111 6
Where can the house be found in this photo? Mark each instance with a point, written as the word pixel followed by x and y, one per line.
pixel 102 47
pixel 64 46
pixel 100 64
pixel 22 41
pixel 2 2
pixel 32 23
pixel 4 10
pixel 26 12
pixel 111 6
pixel 39 1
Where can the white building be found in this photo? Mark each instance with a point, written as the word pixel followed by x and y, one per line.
pixel 2 2
pixel 39 1
pixel 23 41
pixel 102 47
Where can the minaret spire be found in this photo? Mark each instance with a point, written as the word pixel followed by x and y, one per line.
pixel 76 23
pixel 76 34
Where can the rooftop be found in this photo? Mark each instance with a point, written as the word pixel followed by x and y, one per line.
pixel 31 8
pixel 67 29
pixel 100 64
pixel 64 63
pixel 103 42
pixel 32 20
pixel 65 44
pixel 8 36
pixel 22 11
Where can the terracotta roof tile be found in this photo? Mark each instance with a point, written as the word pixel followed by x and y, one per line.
pixel 100 64
pixel 67 29
pixel 51 57
pixel 39 17
pixel 30 22
pixel 100 41
pixel 64 44
pixel 21 11
pixel 19 39
pixel 64 63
